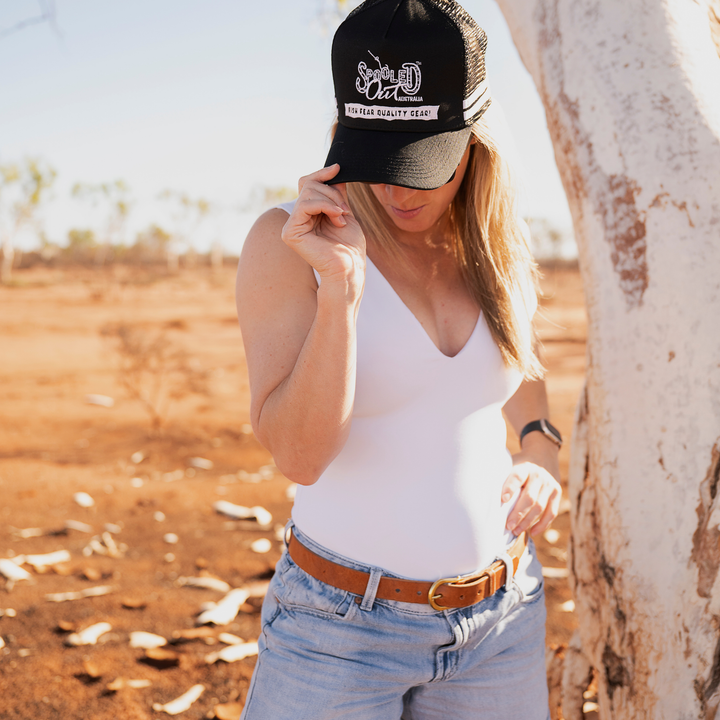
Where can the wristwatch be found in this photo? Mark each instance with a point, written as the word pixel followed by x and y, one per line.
pixel 546 428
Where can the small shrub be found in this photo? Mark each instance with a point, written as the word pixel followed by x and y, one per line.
pixel 153 370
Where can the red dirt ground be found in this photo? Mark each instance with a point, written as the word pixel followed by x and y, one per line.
pixel 53 444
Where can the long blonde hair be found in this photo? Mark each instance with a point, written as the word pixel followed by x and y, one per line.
pixel 490 246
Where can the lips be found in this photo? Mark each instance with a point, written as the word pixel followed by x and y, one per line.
pixel 407 214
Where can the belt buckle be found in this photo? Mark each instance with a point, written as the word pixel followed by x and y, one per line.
pixel 468 581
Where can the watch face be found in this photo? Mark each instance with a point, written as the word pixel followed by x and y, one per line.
pixel 551 431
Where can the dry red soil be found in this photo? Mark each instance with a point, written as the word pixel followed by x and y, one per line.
pixel 56 347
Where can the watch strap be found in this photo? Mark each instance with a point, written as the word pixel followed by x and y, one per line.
pixel 546 428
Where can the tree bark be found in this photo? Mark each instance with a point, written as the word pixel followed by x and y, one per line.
pixel 632 97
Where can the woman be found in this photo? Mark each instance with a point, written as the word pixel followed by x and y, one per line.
pixel 386 316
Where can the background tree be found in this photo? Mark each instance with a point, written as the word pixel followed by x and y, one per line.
pixel 151 245
pixel 113 201
pixel 547 239
pixel 81 246
pixel 24 187
pixel 632 98
pixel 187 216
pixel 46 14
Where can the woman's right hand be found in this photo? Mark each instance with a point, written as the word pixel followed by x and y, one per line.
pixel 322 229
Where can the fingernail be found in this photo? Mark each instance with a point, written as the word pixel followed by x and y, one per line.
pixel 342 220
pixel 345 207
pixel 506 496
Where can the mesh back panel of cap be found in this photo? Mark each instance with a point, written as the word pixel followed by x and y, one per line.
pixel 473 36
pixel 475 42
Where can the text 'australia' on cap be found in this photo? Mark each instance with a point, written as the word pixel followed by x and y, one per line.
pixel 409 81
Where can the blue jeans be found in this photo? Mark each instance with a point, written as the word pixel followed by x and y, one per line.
pixel 326 654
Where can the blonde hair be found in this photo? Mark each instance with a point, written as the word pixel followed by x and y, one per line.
pixel 490 246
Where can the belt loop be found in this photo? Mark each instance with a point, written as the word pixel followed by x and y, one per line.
pixel 509 569
pixel 371 590
pixel 288 532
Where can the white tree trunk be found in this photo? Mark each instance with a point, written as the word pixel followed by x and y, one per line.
pixel 632 97
pixel 8 256
pixel 217 254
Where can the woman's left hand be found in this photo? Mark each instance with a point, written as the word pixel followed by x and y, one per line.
pixel 535 472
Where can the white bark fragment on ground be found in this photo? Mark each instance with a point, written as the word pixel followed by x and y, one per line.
pixel 164 655
pixel 12 571
pixel 240 512
pixel 90 635
pixel 209 583
pixel 261 545
pixel 104 545
pixel 230 639
pixel 41 562
pixel 226 610
pixel 99 400
pixel 80 594
pixel 228 711
pixel 551 535
pixel 121 682
pixel 194 633
pixel 201 463
pixel 181 704
pixel 553 572
pixel 83 499
pixel 79 526
pixel 257 589
pixel 233 653
pixel 145 640
pixel 25 533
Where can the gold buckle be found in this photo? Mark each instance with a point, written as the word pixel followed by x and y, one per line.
pixel 467 581
pixel 432 596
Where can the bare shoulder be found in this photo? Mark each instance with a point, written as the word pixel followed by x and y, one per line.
pixel 268 268
pixel 264 254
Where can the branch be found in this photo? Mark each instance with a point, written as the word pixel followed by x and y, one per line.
pixel 47 14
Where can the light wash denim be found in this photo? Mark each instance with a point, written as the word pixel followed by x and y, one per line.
pixel 326 654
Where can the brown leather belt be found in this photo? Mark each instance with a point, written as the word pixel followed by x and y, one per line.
pixel 442 594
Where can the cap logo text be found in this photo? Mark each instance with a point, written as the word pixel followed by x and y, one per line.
pixel 383 84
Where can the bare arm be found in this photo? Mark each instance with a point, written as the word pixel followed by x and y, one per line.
pixel 536 471
pixel 300 338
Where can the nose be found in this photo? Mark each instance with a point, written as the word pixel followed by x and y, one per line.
pixel 399 196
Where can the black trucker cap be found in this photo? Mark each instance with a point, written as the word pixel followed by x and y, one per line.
pixel 409 83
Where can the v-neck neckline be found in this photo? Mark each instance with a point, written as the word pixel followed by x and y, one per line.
pixel 417 321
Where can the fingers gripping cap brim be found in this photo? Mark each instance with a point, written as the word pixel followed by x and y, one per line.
pixel 414 160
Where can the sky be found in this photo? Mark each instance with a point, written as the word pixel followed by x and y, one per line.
pixel 214 98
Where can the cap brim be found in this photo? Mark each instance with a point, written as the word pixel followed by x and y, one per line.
pixel 408 159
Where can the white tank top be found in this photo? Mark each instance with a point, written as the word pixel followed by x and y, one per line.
pixel 416 488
